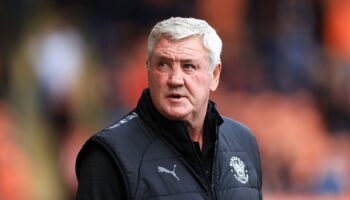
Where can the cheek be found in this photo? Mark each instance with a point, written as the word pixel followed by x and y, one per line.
pixel 156 80
pixel 199 83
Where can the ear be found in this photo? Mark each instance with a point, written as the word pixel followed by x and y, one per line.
pixel 215 77
pixel 147 64
pixel 148 72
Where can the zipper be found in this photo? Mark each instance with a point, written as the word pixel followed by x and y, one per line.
pixel 203 171
pixel 213 188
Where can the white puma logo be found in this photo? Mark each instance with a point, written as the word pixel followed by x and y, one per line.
pixel 162 169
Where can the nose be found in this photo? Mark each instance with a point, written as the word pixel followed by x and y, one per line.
pixel 175 76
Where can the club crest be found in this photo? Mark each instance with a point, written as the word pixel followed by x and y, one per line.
pixel 241 174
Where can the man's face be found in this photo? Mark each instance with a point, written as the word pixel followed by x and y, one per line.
pixel 180 80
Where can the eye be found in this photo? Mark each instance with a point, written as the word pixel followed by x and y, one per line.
pixel 162 65
pixel 189 66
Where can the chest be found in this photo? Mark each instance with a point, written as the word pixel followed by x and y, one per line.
pixel 169 175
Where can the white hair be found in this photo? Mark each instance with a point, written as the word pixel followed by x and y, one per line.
pixel 177 28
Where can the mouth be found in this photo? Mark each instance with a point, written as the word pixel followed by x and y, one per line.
pixel 175 96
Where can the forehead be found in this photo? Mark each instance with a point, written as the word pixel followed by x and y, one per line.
pixel 186 48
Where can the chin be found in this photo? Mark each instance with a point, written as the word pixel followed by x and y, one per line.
pixel 178 116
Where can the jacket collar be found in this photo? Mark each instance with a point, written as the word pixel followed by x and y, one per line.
pixel 175 131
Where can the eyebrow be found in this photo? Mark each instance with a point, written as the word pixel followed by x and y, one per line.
pixel 163 57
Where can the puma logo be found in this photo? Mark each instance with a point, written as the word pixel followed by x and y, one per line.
pixel 162 169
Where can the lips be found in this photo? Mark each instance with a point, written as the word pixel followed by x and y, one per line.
pixel 175 96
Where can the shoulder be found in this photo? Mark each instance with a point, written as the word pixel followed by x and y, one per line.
pixel 131 130
pixel 238 136
pixel 235 129
pixel 128 136
pixel 121 128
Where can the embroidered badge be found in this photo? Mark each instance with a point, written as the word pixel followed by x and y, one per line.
pixel 162 169
pixel 241 174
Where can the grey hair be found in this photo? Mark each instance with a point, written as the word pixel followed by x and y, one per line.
pixel 177 28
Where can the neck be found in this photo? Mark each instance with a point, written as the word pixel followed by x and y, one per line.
pixel 195 127
pixel 196 134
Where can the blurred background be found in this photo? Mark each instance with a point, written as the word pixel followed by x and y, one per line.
pixel 71 68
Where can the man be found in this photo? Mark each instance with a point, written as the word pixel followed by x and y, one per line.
pixel 174 144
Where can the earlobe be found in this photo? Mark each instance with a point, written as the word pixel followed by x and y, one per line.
pixel 216 77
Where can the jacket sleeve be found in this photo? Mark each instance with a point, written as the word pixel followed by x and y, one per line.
pixel 98 176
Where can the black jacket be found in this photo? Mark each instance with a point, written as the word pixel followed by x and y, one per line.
pixel 158 160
